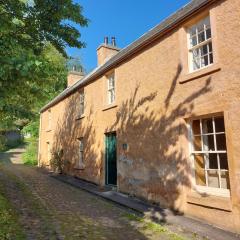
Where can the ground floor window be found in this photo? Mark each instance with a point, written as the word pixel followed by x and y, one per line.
pixel 80 160
pixel 49 154
pixel 209 153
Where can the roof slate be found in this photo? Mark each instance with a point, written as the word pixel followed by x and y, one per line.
pixel 123 54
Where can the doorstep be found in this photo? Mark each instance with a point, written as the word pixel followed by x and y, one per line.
pixel 154 212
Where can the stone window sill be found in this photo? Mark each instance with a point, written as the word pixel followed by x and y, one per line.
pixel 110 106
pixel 80 117
pixel 200 73
pixel 222 203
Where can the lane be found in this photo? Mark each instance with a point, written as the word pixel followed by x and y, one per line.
pixel 50 209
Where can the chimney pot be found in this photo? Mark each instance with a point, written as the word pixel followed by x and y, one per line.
pixel 106 40
pixel 113 41
pixel 74 68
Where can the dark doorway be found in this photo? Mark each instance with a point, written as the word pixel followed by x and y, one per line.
pixel 111 159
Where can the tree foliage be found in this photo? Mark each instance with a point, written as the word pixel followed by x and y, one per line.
pixel 33 37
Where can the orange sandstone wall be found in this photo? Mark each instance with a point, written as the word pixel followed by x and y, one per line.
pixel 155 97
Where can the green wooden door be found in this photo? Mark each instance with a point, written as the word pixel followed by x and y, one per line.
pixel 111 159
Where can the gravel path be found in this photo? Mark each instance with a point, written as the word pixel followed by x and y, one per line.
pixel 50 209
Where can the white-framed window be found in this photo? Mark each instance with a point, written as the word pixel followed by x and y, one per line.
pixel 209 155
pixel 49 119
pixel 200 45
pixel 49 154
pixel 111 89
pixel 80 160
pixel 81 103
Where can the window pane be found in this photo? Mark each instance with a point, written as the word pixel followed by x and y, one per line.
pixel 199 169
pixel 196 127
pixel 204 50
pixel 221 142
pixel 208 33
pixel 196 53
pixel 210 47
pixel 219 124
pixel 196 63
pixel 197 143
pixel 211 58
pixel 225 180
pixel 192 31
pixel 81 145
pixel 193 41
pixel 213 162
pixel 208 142
pixel 111 96
pixel 223 161
pixel 201 37
pixel 213 180
pixel 81 111
pixel 204 61
pixel 200 26
pixel 207 125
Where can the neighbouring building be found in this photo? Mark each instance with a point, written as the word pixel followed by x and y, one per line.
pixel 159 119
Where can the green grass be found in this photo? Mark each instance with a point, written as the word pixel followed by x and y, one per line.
pixel 30 156
pixel 9 226
pixel 148 225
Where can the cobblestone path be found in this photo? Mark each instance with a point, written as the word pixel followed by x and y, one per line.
pixel 49 209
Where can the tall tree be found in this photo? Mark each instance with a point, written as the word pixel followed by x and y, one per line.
pixel 33 38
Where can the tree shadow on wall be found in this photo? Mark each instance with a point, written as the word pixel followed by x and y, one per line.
pixel 155 165
pixel 70 129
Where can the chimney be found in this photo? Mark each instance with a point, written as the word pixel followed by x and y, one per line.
pixel 74 75
pixel 113 41
pixel 105 51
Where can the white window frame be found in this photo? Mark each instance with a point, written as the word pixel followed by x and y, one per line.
pixel 81 103
pixel 206 189
pixel 198 46
pixel 80 160
pixel 49 119
pixel 49 154
pixel 111 96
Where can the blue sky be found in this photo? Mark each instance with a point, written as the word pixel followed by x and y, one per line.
pixel 127 20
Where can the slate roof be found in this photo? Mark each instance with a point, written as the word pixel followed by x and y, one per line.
pixel 126 52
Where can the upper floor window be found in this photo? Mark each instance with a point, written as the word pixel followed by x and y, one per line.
pixel 209 153
pixel 82 105
pixel 111 89
pixel 200 45
pixel 49 119
pixel 49 154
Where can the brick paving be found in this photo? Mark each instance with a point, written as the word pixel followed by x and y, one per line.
pixel 50 209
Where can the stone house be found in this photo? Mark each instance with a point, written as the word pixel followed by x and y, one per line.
pixel 159 119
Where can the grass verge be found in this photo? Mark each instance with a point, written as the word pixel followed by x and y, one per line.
pixel 147 225
pixel 9 226
pixel 30 156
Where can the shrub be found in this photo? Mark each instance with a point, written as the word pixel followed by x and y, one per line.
pixel 3 143
pixel 57 162
pixel 30 156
